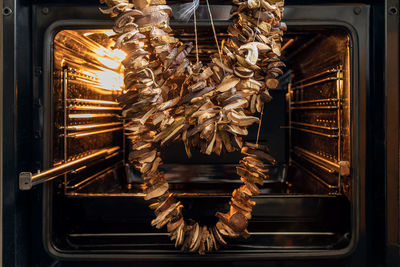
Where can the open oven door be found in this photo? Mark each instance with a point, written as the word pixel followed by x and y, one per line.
pixel 392 133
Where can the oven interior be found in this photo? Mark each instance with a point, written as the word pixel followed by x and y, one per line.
pixel 305 205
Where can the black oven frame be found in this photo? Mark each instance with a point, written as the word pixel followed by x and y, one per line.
pixel 31 75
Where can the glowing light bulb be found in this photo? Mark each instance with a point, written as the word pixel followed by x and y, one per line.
pixel 119 54
pixel 109 33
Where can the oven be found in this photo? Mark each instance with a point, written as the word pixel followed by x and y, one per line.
pixel 70 194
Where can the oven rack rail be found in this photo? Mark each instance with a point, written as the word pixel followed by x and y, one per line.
pixel 76 109
pixel 303 118
pixel 27 180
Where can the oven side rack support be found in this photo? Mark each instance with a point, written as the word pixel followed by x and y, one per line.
pixel 333 104
pixel 27 179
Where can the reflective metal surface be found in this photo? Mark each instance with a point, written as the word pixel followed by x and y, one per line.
pixel 27 180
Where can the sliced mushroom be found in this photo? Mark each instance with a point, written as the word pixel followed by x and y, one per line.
pixel 207 132
pixel 179 122
pixel 251 187
pixel 206 74
pixel 243 72
pixel 163 218
pixel 249 84
pixel 250 176
pixel 265 96
pixel 125 22
pixel 272 83
pixel 238 103
pixel 195 238
pixel 200 127
pixel 259 154
pixel 252 52
pixel 198 86
pixel 172 226
pixel 176 132
pixel 180 234
pixel 140 4
pixel 210 146
pixel 218 237
pixel 241 119
pixel 234 129
pixel 228 82
pixel 232 99
pixel 225 230
pixel 226 141
pixel 156 191
pixel 238 222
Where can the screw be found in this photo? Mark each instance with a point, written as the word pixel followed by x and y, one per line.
pixel 38 71
pixel 7 11
pixel 357 10
pixel 45 10
pixel 347 236
pixel 393 10
pixel 37 134
pixel 38 103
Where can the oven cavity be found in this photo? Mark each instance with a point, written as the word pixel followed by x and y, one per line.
pixel 97 202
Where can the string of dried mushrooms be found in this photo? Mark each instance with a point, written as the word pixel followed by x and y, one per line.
pixel 169 98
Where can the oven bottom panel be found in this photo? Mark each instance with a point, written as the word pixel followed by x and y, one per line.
pixel 103 225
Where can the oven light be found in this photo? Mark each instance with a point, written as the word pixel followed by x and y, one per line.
pixel 112 64
pixel 106 32
pixel 119 54
pixel 83 116
pixel 110 58
pixel 88 116
pixel 109 33
pixel 87 73
pixel 110 80
pixel 99 52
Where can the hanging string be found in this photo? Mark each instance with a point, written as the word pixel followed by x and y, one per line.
pixel 258 21
pixel 262 109
pixel 215 33
pixel 196 37
pixel 183 12
pixel 259 124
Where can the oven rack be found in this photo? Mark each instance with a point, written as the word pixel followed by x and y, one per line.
pixel 27 179
pixel 315 111
pixel 87 119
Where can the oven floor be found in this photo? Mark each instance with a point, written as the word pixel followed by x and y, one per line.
pixel 122 224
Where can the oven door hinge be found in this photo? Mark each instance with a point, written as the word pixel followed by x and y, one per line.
pixel 38 119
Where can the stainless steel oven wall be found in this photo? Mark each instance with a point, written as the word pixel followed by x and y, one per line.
pixel 86 115
pixel 319 111
pixel 78 225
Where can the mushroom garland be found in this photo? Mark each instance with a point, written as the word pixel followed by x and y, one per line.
pixel 168 98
